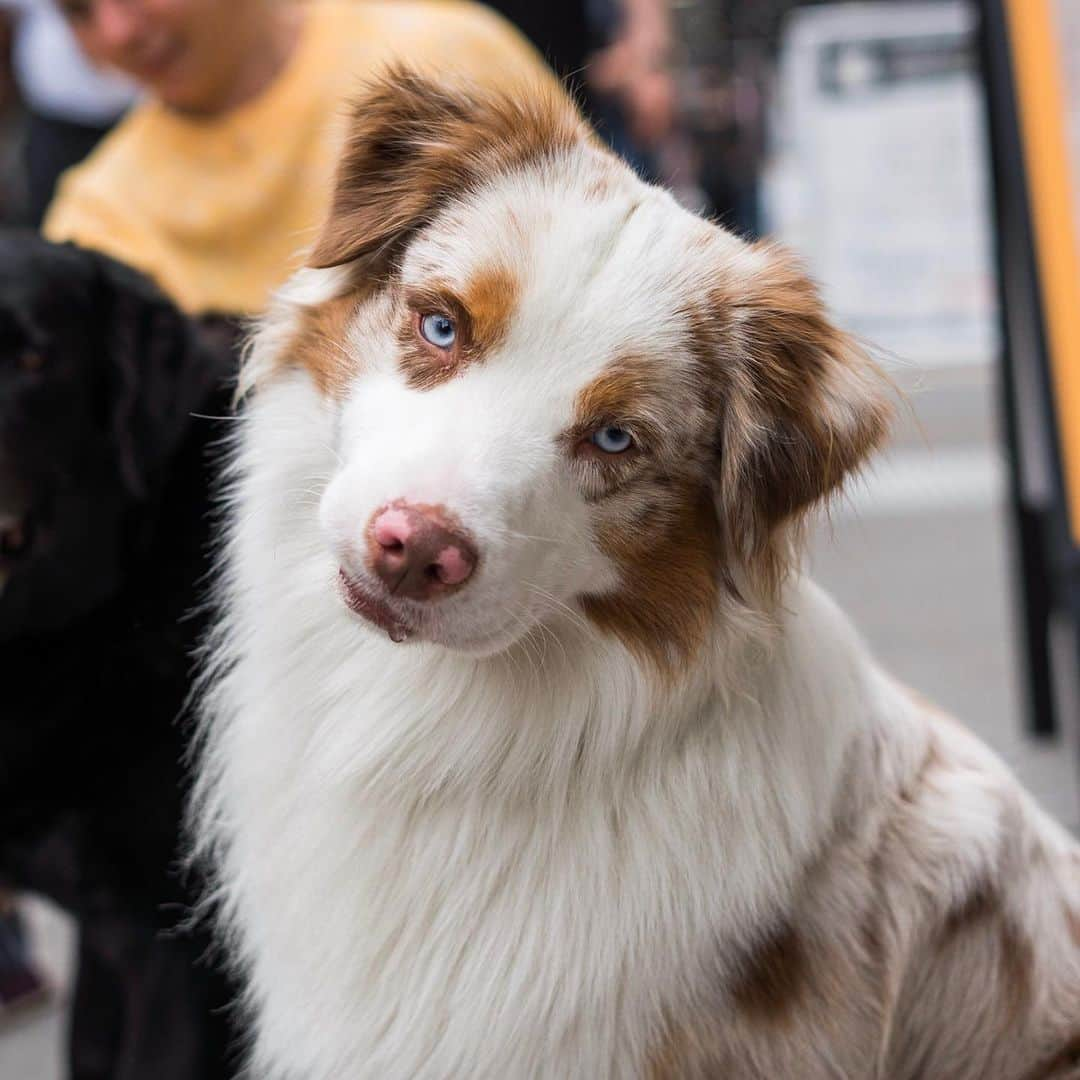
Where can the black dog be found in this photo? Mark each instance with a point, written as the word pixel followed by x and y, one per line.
pixel 103 535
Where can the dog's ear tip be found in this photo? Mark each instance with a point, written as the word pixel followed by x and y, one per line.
pixel 321 259
pixel 326 255
pixel 344 237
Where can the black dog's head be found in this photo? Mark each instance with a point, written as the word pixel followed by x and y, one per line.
pixel 99 375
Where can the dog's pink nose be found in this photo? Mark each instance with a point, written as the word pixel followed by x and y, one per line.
pixel 418 553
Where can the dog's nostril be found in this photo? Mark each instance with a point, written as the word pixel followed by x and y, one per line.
pixel 419 552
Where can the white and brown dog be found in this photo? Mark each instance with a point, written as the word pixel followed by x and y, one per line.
pixel 527 751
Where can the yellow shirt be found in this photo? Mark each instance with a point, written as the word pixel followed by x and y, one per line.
pixel 220 210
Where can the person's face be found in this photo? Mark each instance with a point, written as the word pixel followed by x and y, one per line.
pixel 184 51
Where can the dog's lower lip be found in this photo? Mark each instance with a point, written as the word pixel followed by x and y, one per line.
pixel 375 611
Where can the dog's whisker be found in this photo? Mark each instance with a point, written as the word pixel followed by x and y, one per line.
pixel 518 619
pixel 549 634
pixel 503 531
pixel 560 606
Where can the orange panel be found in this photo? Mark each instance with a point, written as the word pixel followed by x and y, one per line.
pixel 1040 90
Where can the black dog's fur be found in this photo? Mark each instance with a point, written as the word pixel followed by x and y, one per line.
pixel 103 495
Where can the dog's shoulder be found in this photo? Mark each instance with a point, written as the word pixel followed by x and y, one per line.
pixel 982 913
pixel 936 934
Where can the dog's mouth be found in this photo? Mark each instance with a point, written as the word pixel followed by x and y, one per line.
pixel 375 610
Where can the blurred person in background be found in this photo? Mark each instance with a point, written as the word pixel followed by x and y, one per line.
pixel 631 79
pixel 213 184
pixel 730 50
pixel 67 103
pixel 614 56
pixel 561 30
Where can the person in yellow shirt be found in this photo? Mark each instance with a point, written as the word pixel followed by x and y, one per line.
pixel 217 181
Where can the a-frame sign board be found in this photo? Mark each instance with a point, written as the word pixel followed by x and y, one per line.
pixel 1033 107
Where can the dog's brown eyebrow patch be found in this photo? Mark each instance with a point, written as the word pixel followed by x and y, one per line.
pixel 318 344
pixel 482 311
pixel 776 977
pixel 632 389
pixel 490 299
pixel 616 391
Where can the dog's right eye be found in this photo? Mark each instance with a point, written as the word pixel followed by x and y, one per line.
pixel 612 440
pixel 438 330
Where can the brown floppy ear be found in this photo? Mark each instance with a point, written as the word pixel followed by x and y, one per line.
pixel 804 405
pixel 413 143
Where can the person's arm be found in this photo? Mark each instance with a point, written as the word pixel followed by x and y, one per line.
pixel 636 68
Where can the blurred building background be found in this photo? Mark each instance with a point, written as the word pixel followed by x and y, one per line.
pixel 855 133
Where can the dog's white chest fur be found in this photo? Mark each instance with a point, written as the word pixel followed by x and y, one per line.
pixel 476 937
pixel 468 941
pixel 463 871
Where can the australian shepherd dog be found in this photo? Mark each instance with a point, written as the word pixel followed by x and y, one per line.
pixel 526 749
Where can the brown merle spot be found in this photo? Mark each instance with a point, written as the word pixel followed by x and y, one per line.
pixel 981 905
pixel 657 521
pixel 982 913
pixel 776 977
pixel 1060 1065
pixel 678 1054
pixel 665 604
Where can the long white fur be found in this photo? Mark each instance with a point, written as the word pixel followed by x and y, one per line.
pixel 517 859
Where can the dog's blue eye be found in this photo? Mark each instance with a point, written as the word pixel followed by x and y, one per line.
pixel 612 440
pixel 439 330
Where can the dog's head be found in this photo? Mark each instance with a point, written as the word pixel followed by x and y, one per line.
pixel 98 374
pixel 559 394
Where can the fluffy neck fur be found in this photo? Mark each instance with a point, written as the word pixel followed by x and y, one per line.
pixel 472 862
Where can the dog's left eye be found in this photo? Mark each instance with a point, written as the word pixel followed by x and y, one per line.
pixel 612 440
pixel 31 360
pixel 439 330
